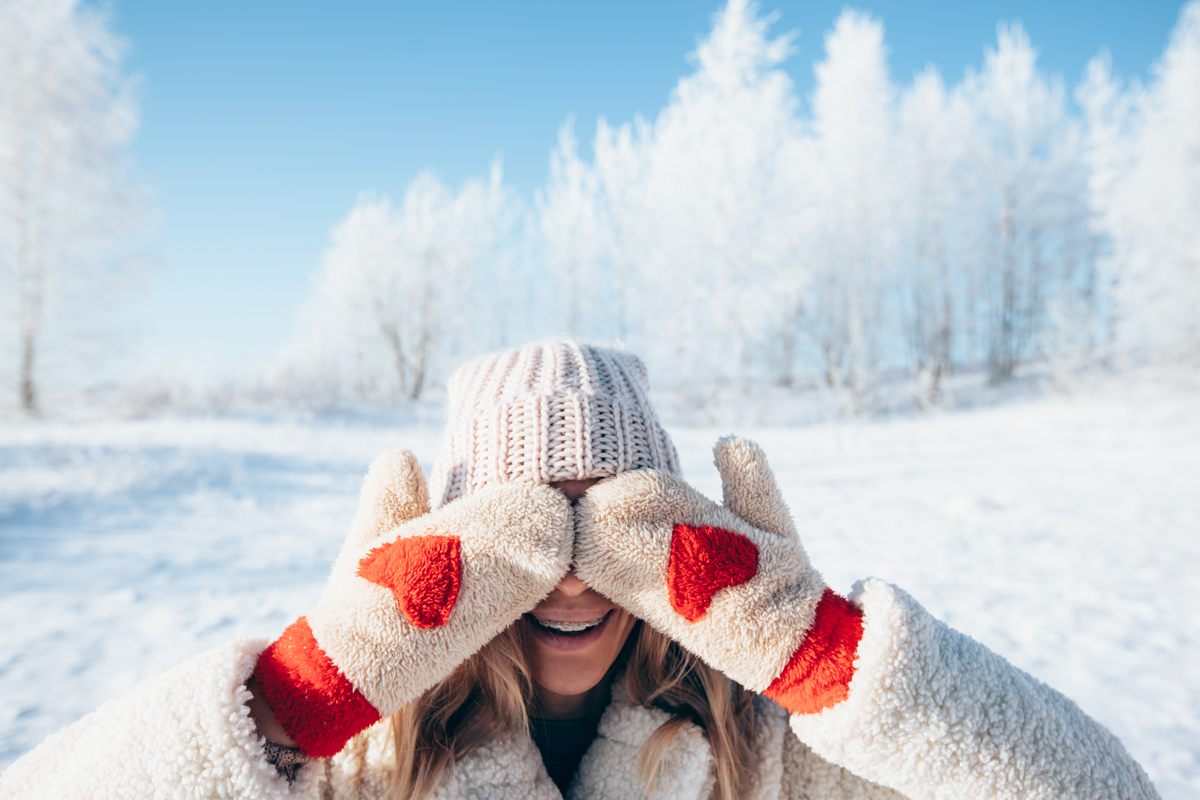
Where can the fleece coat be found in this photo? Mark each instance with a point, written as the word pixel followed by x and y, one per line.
pixel 931 713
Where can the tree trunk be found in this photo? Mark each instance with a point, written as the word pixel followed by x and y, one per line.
pixel 31 281
pixel 427 320
pixel 391 335
pixel 788 333
pixel 1002 365
pixel 28 388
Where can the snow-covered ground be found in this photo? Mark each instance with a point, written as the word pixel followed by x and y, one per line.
pixel 1063 532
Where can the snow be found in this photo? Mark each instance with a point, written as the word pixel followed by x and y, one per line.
pixel 1060 531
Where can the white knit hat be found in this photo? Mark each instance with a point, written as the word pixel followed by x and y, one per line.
pixel 549 411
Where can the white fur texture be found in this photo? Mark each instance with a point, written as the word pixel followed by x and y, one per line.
pixel 931 714
pixel 624 526
pixel 393 492
pixel 935 714
pixel 186 733
pixel 748 485
pixel 515 546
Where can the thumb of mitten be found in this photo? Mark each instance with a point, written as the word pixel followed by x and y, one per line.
pixel 749 486
pixel 393 492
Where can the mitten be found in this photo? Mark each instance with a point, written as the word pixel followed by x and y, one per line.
pixel 411 596
pixel 730 583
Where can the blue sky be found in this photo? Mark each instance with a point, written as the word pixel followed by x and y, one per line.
pixel 262 122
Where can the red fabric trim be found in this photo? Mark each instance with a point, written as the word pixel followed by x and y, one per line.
pixel 704 560
pixel 819 672
pixel 424 574
pixel 310 698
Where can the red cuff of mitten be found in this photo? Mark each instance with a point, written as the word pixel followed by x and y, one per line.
pixel 819 672
pixel 310 698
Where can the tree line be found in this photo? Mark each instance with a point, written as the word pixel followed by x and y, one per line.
pixel 874 231
pixel 870 232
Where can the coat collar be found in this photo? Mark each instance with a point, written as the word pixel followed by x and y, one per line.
pixel 610 767
pixel 512 768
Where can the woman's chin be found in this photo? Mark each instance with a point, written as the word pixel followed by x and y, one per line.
pixel 569 665
pixel 563 688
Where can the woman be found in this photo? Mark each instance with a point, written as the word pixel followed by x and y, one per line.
pixel 571 617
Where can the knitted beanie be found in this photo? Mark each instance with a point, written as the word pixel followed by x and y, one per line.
pixel 548 411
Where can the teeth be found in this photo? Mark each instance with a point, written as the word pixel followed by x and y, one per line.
pixel 568 627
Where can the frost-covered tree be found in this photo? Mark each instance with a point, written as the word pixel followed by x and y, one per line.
pixel 399 286
pixel 1027 201
pixel 853 136
pixel 67 203
pixel 932 132
pixel 697 199
pixel 620 166
pixel 575 234
pixel 1144 147
pixel 1106 152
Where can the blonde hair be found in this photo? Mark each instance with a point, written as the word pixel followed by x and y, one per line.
pixel 489 696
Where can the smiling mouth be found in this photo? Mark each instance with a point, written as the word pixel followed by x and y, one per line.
pixel 566 628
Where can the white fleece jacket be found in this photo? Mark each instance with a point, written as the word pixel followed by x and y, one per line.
pixel 931 713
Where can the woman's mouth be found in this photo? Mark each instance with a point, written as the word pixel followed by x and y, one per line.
pixel 567 635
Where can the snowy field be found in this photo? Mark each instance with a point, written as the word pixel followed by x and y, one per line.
pixel 1063 532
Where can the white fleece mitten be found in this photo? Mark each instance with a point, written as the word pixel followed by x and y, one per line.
pixel 412 595
pixel 730 582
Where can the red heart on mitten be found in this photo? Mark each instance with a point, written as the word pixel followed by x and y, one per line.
pixel 423 572
pixel 704 560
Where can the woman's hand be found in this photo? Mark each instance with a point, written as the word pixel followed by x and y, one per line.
pixel 730 582
pixel 411 596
